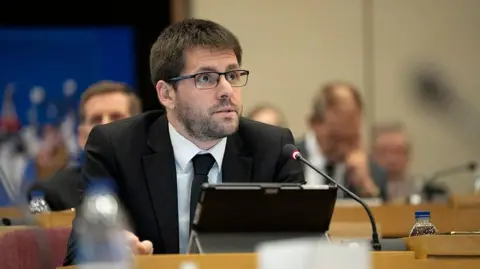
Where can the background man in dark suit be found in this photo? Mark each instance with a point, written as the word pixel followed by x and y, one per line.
pixel 101 103
pixel 334 143
pixel 157 160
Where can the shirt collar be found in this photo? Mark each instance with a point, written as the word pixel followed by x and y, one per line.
pixel 184 150
pixel 315 154
pixel 314 151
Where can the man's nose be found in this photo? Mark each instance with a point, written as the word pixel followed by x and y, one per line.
pixel 225 89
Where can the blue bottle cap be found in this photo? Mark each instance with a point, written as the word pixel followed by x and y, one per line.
pixel 420 214
pixel 37 193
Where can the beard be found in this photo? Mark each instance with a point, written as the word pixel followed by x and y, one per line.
pixel 203 125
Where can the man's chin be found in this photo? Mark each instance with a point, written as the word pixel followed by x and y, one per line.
pixel 229 127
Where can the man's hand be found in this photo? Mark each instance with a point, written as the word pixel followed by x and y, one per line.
pixel 359 173
pixel 137 247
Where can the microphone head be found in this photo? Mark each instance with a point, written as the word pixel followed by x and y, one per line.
pixel 472 166
pixel 291 151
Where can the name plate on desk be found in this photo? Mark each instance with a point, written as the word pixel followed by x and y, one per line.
pixel 311 254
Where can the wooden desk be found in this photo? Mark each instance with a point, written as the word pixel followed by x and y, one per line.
pixel 380 260
pixel 393 220
pixel 45 220
pixel 465 201
pixel 56 219
pixel 397 220
pixel 9 212
pixel 447 252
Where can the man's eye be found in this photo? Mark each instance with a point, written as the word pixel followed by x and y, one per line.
pixel 205 78
pixel 233 76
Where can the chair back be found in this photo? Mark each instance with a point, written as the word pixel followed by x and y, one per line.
pixel 33 248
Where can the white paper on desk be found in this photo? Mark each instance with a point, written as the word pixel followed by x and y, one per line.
pixel 312 254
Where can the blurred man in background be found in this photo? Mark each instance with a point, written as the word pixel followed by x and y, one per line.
pixel 101 103
pixel 334 142
pixel 268 114
pixel 391 149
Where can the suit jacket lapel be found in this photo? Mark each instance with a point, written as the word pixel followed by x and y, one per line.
pixel 161 175
pixel 236 166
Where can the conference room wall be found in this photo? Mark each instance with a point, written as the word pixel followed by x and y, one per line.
pixel 292 47
pixel 446 33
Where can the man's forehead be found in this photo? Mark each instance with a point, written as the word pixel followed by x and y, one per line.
pixel 342 117
pixel 211 58
pixel 392 137
pixel 106 101
pixel 113 95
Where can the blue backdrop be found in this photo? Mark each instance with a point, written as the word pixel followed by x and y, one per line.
pixel 49 57
pixel 55 65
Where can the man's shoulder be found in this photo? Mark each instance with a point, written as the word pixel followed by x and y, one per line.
pixel 379 174
pixel 260 130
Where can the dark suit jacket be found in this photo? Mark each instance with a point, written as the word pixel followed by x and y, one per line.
pixel 138 154
pixel 378 174
pixel 62 191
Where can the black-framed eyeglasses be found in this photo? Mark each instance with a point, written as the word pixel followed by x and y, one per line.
pixel 208 80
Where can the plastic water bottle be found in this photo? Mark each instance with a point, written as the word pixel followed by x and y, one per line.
pixel 38 204
pixel 422 225
pixel 101 229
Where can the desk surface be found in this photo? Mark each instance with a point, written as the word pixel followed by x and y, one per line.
pixel 397 220
pixel 393 220
pixel 380 260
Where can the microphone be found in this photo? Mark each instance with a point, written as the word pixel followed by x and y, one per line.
pixel 468 167
pixel 291 151
pixel 430 189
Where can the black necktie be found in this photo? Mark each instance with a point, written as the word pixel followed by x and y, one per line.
pixel 330 169
pixel 202 163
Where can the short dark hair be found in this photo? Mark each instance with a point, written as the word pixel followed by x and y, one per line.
pixel 167 56
pixel 327 98
pixel 107 86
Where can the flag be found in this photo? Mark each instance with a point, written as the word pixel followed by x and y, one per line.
pixel 9 122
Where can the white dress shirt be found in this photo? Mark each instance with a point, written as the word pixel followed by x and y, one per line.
pixel 315 156
pixel 184 151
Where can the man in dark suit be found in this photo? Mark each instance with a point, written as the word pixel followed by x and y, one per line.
pixel 101 103
pixel 334 142
pixel 157 159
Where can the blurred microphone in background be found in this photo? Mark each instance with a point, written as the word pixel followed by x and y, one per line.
pixel 434 91
pixel 433 191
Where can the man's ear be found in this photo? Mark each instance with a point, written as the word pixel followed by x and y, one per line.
pixel 166 94
pixel 82 136
pixel 311 120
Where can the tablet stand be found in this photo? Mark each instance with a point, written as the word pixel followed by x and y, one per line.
pixel 206 243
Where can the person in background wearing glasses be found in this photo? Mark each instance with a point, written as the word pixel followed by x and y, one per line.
pixel 164 158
